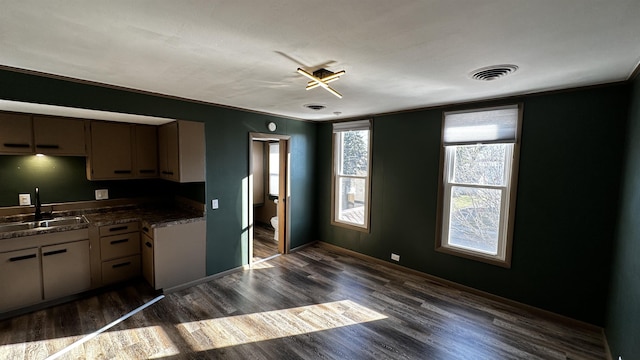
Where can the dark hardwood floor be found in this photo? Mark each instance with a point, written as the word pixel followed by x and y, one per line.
pixel 263 243
pixel 317 303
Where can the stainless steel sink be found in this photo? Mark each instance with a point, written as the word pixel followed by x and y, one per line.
pixel 61 221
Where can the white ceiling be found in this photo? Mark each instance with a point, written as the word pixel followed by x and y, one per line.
pixel 397 55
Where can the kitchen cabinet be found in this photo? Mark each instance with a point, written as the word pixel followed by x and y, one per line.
pixel 146 151
pixel 119 252
pixel 20 278
pixel 59 136
pixel 65 269
pixel 43 267
pixel 15 134
pixel 111 151
pixel 181 151
pixel 175 255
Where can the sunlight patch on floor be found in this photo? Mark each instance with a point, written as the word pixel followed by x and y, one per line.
pixel 268 325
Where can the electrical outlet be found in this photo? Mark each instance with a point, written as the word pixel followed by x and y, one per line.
pixel 25 199
pixel 102 194
pixel 214 204
pixel 395 257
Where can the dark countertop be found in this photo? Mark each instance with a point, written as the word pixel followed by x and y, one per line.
pixel 150 216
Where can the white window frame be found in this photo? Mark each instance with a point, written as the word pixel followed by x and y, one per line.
pixel 338 130
pixel 507 201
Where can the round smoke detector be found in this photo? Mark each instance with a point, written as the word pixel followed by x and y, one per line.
pixel 316 107
pixel 493 72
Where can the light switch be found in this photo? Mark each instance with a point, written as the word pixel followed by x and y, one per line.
pixel 214 204
pixel 25 199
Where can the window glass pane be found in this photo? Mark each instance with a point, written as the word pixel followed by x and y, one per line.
pixel 479 164
pixel 351 200
pixel 355 152
pixel 475 218
pixel 274 168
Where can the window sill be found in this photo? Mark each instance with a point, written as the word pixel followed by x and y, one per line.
pixel 350 226
pixel 474 256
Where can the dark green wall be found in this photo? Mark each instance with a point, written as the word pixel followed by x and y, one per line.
pixel 63 179
pixel 623 316
pixel 569 176
pixel 227 142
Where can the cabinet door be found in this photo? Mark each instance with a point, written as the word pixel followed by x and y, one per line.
pixel 59 136
pixel 179 254
pixel 147 259
pixel 15 134
pixel 20 279
pixel 191 151
pixel 146 151
pixel 168 144
pixel 111 156
pixel 66 269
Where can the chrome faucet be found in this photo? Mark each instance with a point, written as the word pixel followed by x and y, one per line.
pixel 38 215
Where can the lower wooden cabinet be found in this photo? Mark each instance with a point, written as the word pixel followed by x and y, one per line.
pixel 119 252
pixel 39 268
pixel 65 269
pixel 175 255
pixel 20 278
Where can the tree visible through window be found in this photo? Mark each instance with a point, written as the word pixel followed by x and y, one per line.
pixel 351 174
pixel 478 183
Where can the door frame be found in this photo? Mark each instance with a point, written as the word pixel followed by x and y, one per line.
pixel 284 193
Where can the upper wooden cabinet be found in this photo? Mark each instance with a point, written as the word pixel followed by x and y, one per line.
pixel 146 151
pixel 27 134
pixel 16 135
pixel 181 151
pixel 59 136
pixel 110 155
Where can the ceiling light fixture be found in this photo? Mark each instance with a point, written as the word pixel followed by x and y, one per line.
pixel 321 78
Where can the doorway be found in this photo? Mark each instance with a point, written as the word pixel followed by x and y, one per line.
pixel 268 196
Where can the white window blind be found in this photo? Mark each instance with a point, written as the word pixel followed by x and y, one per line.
pixel 352 125
pixel 481 126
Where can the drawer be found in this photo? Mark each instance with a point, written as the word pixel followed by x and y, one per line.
pixel 116 229
pixel 120 269
pixel 116 246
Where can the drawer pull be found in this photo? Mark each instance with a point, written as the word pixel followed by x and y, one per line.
pixel 118 228
pixel 13 145
pixel 55 252
pixel 47 146
pixel 122 171
pixel 121 264
pixel 119 241
pixel 168 172
pixel 23 257
pixel 148 244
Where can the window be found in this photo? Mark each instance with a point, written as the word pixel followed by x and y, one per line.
pixel 351 174
pixel 477 195
pixel 274 168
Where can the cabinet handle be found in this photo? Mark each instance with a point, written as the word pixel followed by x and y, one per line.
pixel 168 172
pixel 121 265
pixel 145 171
pixel 122 171
pixel 118 228
pixel 145 229
pixel 23 257
pixel 55 252
pixel 148 244
pixel 119 241
pixel 14 145
pixel 48 146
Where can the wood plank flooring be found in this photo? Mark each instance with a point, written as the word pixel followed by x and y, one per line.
pixel 317 303
pixel 263 243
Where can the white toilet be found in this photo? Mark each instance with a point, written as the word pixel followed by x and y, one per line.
pixel 274 222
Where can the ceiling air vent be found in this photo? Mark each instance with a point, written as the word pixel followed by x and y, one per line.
pixel 493 72
pixel 315 107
